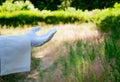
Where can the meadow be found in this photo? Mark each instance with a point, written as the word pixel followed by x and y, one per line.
pixel 77 53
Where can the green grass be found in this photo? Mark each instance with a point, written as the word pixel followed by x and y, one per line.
pixel 86 61
pixel 79 65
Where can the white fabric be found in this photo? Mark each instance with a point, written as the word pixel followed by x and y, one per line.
pixel 14 54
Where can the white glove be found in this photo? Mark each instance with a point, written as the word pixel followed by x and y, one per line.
pixel 39 40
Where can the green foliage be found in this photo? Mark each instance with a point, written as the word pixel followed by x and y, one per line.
pixel 112 52
pixel 90 4
pixel 117 5
pixel 16 6
pixel 30 17
pixel 64 17
pixel 18 17
pixel 111 21
pixel 46 4
pixel 1 1
pixel 65 4
pixel 78 4
pixel 107 19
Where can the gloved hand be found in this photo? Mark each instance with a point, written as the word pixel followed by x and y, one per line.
pixel 39 40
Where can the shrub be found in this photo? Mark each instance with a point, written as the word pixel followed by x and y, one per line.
pixel 29 17
pixel 116 5
pixel 16 6
pixel 107 19
pixel 18 17
pixel 65 17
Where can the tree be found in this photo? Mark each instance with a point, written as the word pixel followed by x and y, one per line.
pixel 65 4
pixel 1 1
pixel 46 4
pixel 92 4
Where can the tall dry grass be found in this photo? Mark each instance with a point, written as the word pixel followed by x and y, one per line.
pixel 76 53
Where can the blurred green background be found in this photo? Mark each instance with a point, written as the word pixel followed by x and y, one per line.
pixel 89 53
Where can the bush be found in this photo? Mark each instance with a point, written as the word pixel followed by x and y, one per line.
pixel 16 6
pixel 116 5
pixel 65 17
pixel 30 17
pixel 107 19
pixel 18 17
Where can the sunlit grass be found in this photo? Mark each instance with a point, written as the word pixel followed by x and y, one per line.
pixel 76 53
pixel 85 62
